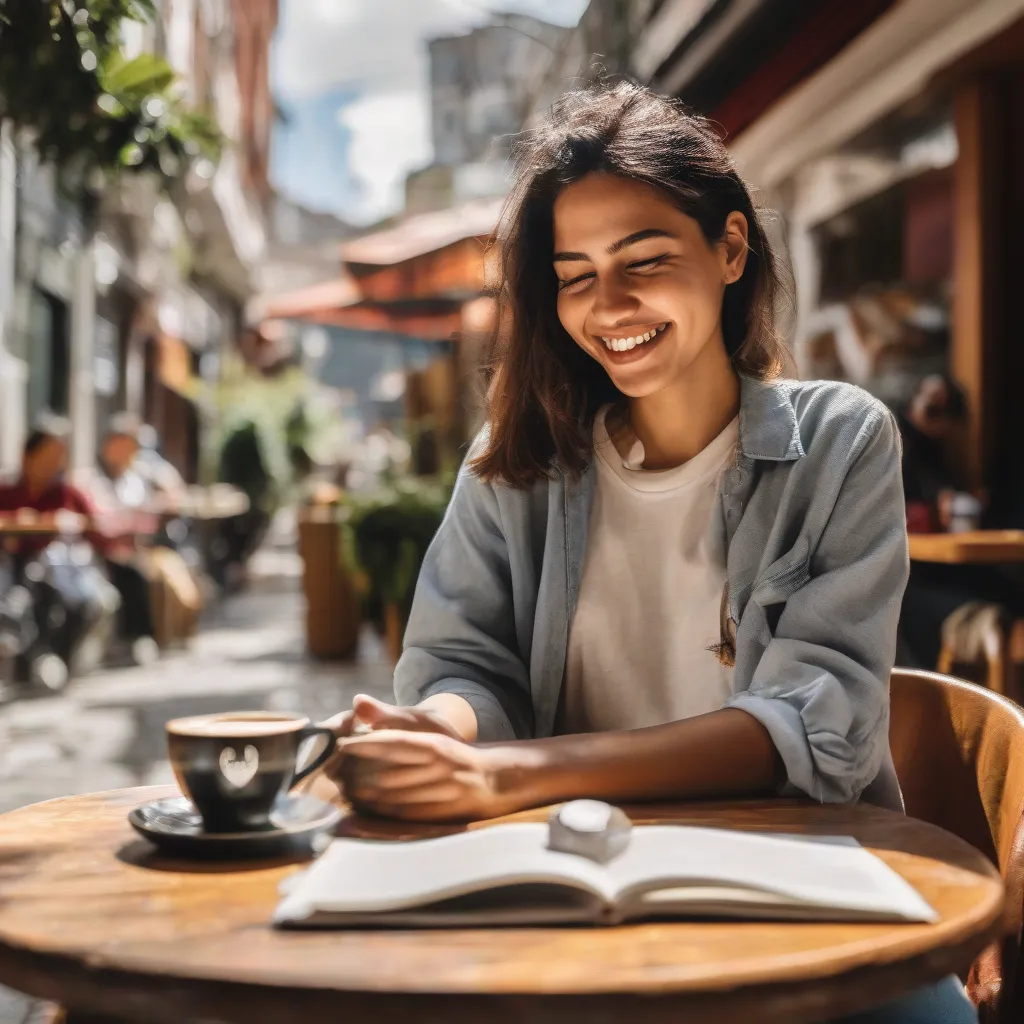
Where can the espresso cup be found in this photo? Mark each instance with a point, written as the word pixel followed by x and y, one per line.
pixel 235 766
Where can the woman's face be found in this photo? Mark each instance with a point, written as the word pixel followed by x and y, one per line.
pixel 639 287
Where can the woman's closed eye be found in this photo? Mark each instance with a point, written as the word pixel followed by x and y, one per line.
pixel 576 284
pixel 648 264
pixel 581 281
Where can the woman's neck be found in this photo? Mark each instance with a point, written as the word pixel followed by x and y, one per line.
pixel 680 421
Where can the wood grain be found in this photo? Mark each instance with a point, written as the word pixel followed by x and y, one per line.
pixel 94 918
pixel 979 547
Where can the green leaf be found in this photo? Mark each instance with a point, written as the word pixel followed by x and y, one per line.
pixel 141 76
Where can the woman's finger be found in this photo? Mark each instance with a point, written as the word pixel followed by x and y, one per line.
pixel 391 747
pixel 440 791
pixel 388 779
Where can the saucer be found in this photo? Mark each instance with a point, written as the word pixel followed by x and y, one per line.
pixel 301 824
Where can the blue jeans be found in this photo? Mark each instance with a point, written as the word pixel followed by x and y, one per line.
pixel 942 1003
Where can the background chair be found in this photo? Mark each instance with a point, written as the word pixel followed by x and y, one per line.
pixel 959 755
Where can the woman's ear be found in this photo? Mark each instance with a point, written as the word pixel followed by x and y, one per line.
pixel 734 247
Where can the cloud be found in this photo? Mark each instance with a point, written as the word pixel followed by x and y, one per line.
pixel 390 137
pixel 376 49
pixel 377 45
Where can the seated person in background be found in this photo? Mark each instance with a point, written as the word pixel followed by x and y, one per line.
pixel 76 585
pixel 125 500
pixel 161 477
pixel 119 496
pixel 931 417
pixel 41 485
pixel 934 591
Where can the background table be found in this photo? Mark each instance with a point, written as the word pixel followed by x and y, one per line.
pixel 73 527
pixel 93 918
pixel 979 547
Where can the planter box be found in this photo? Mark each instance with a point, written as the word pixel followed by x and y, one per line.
pixel 332 602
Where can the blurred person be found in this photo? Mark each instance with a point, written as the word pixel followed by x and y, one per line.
pixel 161 598
pixel 65 605
pixel 119 450
pixel 167 492
pixel 928 424
pixel 161 477
pixel 41 485
pixel 929 421
pixel 666 572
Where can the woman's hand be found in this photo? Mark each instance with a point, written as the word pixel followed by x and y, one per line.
pixel 423 776
pixel 368 714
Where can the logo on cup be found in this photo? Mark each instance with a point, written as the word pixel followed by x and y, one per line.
pixel 239 771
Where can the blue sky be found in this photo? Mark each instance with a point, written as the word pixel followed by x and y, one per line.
pixel 352 75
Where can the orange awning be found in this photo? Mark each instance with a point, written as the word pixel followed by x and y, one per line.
pixel 423 233
pixel 429 325
pixel 306 302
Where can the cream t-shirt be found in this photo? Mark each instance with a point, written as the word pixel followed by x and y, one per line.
pixel 649 607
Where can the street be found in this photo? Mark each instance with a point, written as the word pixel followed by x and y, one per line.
pixel 106 731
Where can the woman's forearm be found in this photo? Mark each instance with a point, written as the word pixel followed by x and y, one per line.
pixel 724 753
pixel 456 711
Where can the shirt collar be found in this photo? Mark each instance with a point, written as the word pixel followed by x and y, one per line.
pixel 768 424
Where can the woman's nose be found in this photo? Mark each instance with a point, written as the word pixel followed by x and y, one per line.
pixel 613 302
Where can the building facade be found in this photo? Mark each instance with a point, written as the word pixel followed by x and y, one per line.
pixel 481 87
pixel 126 313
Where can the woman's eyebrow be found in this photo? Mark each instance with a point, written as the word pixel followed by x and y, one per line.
pixel 622 243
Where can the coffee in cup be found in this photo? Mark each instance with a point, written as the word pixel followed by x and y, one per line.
pixel 234 766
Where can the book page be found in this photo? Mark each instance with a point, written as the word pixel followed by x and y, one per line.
pixel 838 874
pixel 359 876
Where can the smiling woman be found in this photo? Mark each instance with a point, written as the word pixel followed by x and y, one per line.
pixel 665 572
pixel 653 237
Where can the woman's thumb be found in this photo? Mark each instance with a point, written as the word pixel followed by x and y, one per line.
pixel 369 710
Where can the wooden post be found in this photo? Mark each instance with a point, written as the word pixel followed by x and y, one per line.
pixel 977 272
pixel 394 631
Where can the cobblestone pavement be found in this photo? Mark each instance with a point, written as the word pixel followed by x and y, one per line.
pixel 106 731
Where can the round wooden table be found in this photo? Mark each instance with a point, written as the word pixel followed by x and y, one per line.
pixel 93 918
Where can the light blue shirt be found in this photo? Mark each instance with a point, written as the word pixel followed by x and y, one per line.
pixel 812 513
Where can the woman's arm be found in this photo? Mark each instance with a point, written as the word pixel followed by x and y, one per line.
pixel 429 776
pixel 461 637
pixel 723 753
pixel 821 687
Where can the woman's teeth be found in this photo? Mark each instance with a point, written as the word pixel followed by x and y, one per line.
pixel 625 344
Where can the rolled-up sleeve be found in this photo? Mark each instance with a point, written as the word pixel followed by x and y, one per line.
pixel 461 634
pixel 821 688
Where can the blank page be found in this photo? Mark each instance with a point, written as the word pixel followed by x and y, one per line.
pixel 360 876
pixel 835 872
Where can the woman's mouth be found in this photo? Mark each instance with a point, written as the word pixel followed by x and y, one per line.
pixel 623 347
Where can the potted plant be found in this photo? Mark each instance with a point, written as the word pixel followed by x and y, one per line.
pixel 391 533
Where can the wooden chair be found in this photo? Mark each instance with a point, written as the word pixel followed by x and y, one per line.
pixel 959 755
pixel 975 637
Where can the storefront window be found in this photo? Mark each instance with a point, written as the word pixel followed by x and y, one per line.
pixel 878 219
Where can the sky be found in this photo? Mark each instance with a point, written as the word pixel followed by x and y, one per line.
pixel 351 77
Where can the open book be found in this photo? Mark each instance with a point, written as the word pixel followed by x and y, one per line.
pixel 506 875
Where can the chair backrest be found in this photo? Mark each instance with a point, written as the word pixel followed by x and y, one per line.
pixel 959 755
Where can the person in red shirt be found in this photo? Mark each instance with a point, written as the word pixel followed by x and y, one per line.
pixel 77 638
pixel 41 486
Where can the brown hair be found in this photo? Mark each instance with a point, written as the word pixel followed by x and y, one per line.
pixel 544 390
